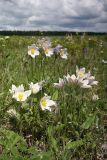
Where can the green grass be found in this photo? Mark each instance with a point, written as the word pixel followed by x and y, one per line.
pixel 42 135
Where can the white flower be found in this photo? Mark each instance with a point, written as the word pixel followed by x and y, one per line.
pixel 88 82
pixel 2 39
pixel 44 43
pixel 80 73
pixel 48 52
pixel 85 84
pixel 35 88
pixel 16 89
pixel 95 97
pixel 21 96
pixel 60 84
pixel 47 104
pixel 33 51
pixel 7 37
pixel 103 61
pixel 12 112
pixel 40 42
pixel 57 48
pixel 71 79
pixel 85 80
pixel 63 53
pixel 92 80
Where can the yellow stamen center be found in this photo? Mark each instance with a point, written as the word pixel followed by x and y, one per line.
pixel 81 74
pixel 32 51
pixel 46 51
pixel 39 45
pixel 20 96
pixel 62 53
pixel 43 102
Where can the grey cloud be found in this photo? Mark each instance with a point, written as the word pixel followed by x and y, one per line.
pixel 72 15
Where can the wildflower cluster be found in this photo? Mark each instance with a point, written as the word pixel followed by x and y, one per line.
pixel 83 79
pixel 53 106
pixel 45 45
pixel 20 95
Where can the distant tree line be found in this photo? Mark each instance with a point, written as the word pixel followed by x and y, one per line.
pixel 47 33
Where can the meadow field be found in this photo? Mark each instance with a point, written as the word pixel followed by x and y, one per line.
pixel 53 97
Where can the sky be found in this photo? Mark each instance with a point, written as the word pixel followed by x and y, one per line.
pixel 54 15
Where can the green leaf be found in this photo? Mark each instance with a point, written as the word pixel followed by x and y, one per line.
pixel 74 144
pixel 89 121
pixel 55 95
pixel 59 127
pixel 53 141
pixel 35 100
pixel 10 139
pixel 46 156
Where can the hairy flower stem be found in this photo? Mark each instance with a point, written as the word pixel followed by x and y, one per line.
pixel 64 105
pixel 54 64
pixel 43 68
pixel 32 67
pixel 21 119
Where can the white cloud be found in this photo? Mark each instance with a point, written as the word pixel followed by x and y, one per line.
pixel 83 8
pixel 72 15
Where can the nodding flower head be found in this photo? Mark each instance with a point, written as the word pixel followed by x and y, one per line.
pixel 35 88
pixel 63 53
